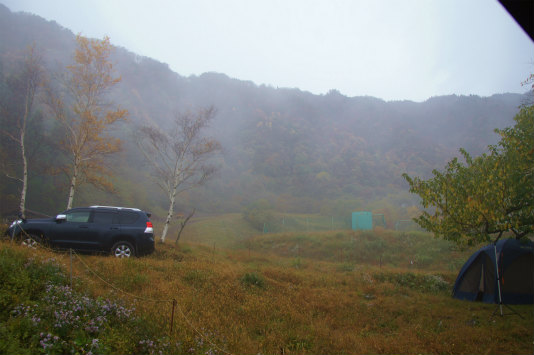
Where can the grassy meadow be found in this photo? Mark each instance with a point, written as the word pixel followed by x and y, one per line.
pixel 239 292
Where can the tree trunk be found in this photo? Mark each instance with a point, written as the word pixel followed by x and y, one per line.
pixel 172 198
pixel 30 91
pixel 182 226
pixel 72 186
pixel 169 217
pixel 22 206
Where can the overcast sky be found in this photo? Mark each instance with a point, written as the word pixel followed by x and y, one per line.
pixel 390 49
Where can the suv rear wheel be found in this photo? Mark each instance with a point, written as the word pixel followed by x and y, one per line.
pixel 123 250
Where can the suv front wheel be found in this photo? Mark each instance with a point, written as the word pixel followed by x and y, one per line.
pixel 123 250
pixel 30 240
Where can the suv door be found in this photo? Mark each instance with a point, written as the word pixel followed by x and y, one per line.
pixel 131 223
pixel 106 225
pixel 75 231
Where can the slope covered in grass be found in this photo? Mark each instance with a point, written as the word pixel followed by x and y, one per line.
pixel 409 249
pixel 380 247
pixel 264 298
pixel 226 230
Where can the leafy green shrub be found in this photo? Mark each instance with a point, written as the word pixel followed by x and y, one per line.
pixel 195 278
pixel 71 321
pixel 424 283
pixel 253 279
pixel 259 214
pixel 23 278
pixel 39 313
pixel 435 283
pixel 345 267
pixel 298 263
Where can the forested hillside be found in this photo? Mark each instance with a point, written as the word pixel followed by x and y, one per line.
pixel 297 151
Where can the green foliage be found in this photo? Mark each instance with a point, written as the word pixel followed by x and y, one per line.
pixel 381 247
pixel 346 267
pixel 489 195
pixel 419 282
pixel 252 279
pixel 39 313
pixel 258 214
pixel 196 278
pixel 297 263
pixel 24 279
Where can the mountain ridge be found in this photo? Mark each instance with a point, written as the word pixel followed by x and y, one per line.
pixel 299 151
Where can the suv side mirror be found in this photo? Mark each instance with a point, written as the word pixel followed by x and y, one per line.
pixel 61 217
pixel 21 217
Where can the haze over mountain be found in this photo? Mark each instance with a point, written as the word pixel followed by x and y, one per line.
pixel 297 151
pixel 388 49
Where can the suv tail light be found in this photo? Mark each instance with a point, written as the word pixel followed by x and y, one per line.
pixel 149 228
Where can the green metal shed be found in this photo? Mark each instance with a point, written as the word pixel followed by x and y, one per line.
pixel 362 220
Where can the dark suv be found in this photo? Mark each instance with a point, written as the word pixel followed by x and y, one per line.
pixel 123 232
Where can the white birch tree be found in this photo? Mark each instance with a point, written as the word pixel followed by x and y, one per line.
pixel 17 108
pixel 86 116
pixel 179 156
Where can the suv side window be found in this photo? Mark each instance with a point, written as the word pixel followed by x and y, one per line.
pixel 128 217
pixel 78 216
pixel 104 217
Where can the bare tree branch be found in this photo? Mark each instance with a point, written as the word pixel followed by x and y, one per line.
pixel 179 156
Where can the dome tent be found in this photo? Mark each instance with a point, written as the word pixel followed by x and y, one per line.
pixel 477 280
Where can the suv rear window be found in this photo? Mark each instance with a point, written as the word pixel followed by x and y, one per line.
pixel 127 217
pixel 105 218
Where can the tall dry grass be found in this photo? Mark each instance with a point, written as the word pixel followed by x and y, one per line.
pixel 314 307
pixel 262 300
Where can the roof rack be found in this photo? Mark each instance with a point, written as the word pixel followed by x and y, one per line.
pixel 119 208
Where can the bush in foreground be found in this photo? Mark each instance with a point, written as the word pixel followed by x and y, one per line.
pixel 40 313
